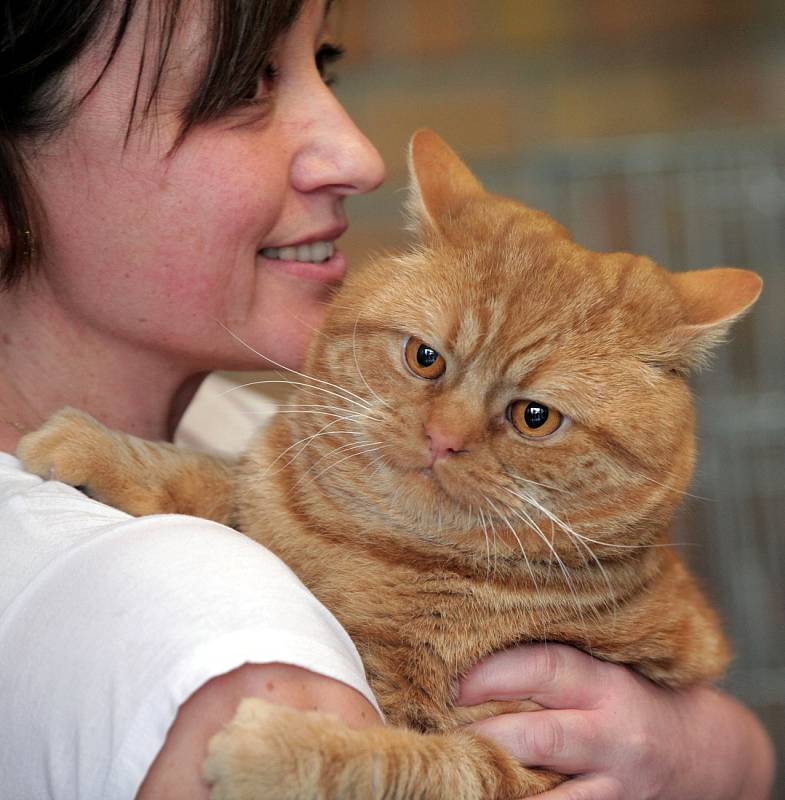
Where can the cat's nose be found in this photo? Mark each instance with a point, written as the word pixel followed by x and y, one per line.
pixel 444 443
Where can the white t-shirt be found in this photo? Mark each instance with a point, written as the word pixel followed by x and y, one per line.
pixel 109 623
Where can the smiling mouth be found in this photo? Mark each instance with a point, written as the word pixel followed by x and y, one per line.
pixel 313 253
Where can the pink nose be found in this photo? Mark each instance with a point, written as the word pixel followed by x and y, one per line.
pixel 443 443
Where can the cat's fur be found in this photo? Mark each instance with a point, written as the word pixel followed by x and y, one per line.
pixel 506 539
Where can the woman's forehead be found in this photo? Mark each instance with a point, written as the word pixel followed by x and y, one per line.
pixel 159 53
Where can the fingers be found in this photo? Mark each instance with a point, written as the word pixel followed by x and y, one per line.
pixel 553 675
pixel 564 741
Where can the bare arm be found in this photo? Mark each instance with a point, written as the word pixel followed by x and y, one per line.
pixel 176 772
pixel 621 735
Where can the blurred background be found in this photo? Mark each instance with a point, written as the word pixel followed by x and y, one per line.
pixel 654 127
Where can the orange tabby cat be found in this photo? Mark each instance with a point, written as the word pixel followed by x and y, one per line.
pixel 497 438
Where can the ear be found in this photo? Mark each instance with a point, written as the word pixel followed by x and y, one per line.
pixel 440 183
pixel 712 300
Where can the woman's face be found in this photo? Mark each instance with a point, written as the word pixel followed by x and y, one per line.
pixel 170 251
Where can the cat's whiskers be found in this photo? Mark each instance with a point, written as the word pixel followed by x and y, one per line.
pixel 366 406
pixel 506 520
pixel 671 488
pixel 576 539
pixel 369 447
pixel 533 483
pixel 561 525
pixel 342 415
pixel 336 450
pixel 325 411
pixel 293 371
pixel 541 600
pixel 487 542
pixel 529 521
pixel 375 463
pixel 495 544
pixel 305 441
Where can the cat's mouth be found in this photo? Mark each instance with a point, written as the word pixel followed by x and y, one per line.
pixel 447 488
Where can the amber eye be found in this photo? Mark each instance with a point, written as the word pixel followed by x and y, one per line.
pixel 533 419
pixel 423 360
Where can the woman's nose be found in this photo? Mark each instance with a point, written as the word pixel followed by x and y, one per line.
pixel 335 155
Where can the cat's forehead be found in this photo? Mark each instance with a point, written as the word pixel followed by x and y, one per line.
pixel 501 293
pixel 467 294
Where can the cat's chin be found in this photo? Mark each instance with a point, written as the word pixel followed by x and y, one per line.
pixel 432 489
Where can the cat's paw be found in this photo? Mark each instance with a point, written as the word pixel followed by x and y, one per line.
pixel 264 753
pixel 465 715
pixel 68 447
pixel 501 774
pixel 530 783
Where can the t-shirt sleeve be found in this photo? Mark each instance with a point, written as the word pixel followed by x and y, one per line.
pixel 102 646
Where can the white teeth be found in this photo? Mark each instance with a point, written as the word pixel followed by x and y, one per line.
pixel 313 253
pixel 320 251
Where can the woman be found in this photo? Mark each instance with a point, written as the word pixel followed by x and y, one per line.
pixel 155 158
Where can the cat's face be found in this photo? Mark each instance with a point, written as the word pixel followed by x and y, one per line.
pixel 503 382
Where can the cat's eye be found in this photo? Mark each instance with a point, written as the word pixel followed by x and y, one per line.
pixel 534 419
pixel 423 360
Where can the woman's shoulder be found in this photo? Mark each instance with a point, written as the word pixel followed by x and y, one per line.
pixel 118 620
pixel 28 502
pixel 50 533
pixel 48 526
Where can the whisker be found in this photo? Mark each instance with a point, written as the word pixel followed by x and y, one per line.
pixel 532 501
pixel 537 592
pixel 529 521
pixel 346 458
pixel 375 462
pixel 364 405
pixel 305 441
pixel 346 446
pixel 348 415
pixel 575 539
pixel 672 489
pixel 517 539
pixel 495 544
pixel 533 483
pixel 487 543
pixel 289 369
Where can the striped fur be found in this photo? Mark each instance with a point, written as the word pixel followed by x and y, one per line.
pixel 430 568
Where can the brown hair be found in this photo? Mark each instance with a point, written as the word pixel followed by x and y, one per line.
pixel 41 39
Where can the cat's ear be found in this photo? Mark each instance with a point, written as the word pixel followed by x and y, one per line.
pixel 440 183
pixel 712 300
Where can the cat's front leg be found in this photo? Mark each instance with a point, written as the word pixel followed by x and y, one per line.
pixel 132 474
pixel 270 752
pixel 465 715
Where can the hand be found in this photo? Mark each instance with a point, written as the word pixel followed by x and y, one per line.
pixel 621 736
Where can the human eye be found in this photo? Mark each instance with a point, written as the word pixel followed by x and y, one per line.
pixel 327 55
pixel 260 91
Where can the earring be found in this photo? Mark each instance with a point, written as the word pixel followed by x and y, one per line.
pixel 29 244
